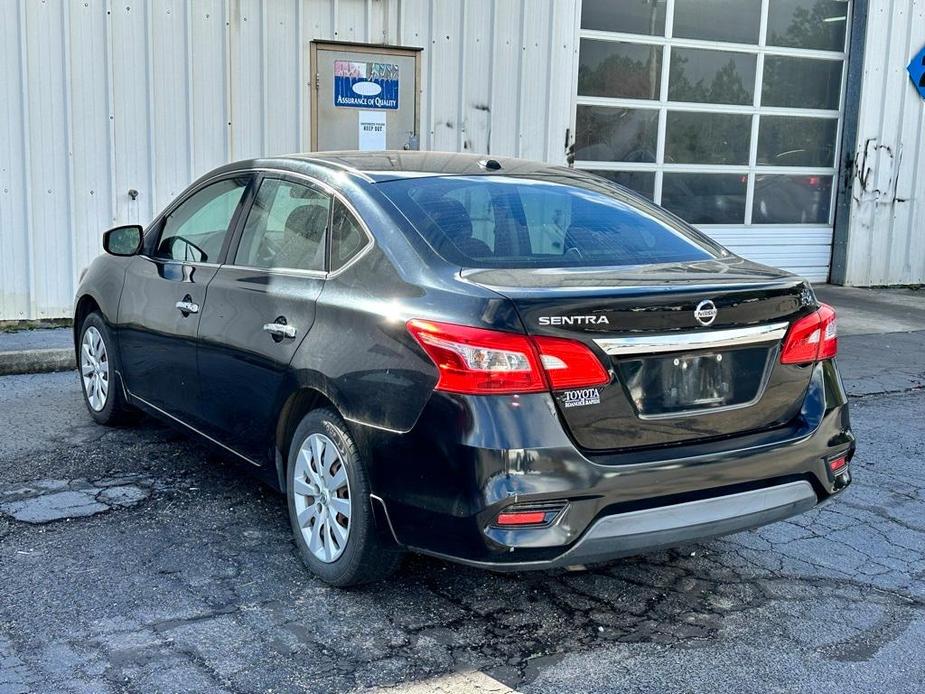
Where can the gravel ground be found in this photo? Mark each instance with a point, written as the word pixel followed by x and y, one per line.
pixel 137 560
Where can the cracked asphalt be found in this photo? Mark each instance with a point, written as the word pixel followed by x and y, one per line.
pixel 168 568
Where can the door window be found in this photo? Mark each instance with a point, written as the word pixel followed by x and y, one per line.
pixel 347 237
pixel 195 231
pixel 285 227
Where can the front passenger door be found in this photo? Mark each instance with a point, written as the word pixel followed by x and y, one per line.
pixel 165 293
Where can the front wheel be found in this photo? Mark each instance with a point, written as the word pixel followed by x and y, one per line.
pixel 327 488
pixel 98 364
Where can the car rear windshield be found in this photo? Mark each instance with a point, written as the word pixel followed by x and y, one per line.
pixel 512 222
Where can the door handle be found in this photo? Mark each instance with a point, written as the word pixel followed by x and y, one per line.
pixel 187 306
pixel 280 330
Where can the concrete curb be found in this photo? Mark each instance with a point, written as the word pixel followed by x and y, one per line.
pixel 31 361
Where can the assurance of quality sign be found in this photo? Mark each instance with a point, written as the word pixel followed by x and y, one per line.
pixel 365 85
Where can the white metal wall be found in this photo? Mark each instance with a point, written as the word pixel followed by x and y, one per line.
pixel 886 241
pixel 98 97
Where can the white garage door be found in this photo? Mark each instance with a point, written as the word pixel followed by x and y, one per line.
pixel 726 112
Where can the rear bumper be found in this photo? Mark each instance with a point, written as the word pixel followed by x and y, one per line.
pixel 635 532
pixel 443 484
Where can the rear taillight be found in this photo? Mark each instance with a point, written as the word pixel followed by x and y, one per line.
pixel 812 338
pixel 569 364
pixel 477 361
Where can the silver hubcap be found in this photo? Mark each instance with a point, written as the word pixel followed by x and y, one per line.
pixel 94 368
pixel 322 497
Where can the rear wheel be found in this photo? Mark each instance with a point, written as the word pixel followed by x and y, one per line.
pixel 329 508
pixel 98 364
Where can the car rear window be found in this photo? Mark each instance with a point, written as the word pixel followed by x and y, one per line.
pixel 511 222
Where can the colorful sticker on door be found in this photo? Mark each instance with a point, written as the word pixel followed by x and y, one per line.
pixel 365 85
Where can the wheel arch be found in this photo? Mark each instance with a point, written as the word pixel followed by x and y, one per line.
pixel 299 403
pixel 86 305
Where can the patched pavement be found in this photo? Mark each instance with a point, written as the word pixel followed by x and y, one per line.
pixel 136 560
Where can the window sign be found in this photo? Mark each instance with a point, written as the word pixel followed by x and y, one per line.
pixel 365 85
pixel 917 72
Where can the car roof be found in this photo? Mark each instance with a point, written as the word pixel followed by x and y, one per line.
pixel 392 164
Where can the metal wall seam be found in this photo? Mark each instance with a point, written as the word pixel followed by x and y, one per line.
pixel 900 260
pixel 188 56
pixel 15 299
pixel 300 60
pixel 460 102
pixel 32 309
pixel 69 135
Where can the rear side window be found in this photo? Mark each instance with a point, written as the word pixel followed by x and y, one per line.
pixel 347 237
pixel 285 227
pixel 504 221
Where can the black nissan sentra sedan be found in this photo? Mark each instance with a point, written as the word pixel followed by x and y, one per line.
pixel 506 364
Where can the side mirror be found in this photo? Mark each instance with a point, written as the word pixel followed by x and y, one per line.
pixel 124 240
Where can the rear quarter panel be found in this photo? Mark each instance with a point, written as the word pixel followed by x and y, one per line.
pixel 359 352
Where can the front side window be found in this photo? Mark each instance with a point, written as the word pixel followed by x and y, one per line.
pixel 504 221
pixel 195 231
pixel 285 227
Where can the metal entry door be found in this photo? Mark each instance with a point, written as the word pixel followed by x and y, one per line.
pixel 365 97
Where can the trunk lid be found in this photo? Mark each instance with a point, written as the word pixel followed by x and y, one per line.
pixel 676 379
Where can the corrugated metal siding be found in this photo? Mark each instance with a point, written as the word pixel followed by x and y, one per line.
pixel 497 76
pixel 886 241
pixel 99 97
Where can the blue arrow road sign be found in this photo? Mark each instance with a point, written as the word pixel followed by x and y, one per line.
pixel 917 72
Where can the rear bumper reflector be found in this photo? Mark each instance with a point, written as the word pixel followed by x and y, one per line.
pixel 838 464
pixel 521 518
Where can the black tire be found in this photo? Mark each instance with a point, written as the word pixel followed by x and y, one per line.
pixel 364 557
pixel 115 410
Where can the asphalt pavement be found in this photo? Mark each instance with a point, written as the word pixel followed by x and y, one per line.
pixel 136 560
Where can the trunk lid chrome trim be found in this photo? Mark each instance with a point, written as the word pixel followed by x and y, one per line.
pixel 686 342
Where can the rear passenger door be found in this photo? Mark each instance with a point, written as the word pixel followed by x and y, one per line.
pixel 261 306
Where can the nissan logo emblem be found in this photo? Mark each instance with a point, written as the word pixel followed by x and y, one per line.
pixel 705 313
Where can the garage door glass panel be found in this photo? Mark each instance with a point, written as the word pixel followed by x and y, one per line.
pixel 817 24
pixel 749 108
pixel 792 199
pixel 801 82
pixel 787 141
pixel 707 138
pixel 627 16
pixel 616 134
pixel 643 182
pixel 195 231
pixel 719 77
pixel 718 20
pixel 619 69
pixel 705 198
pixel 285 227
